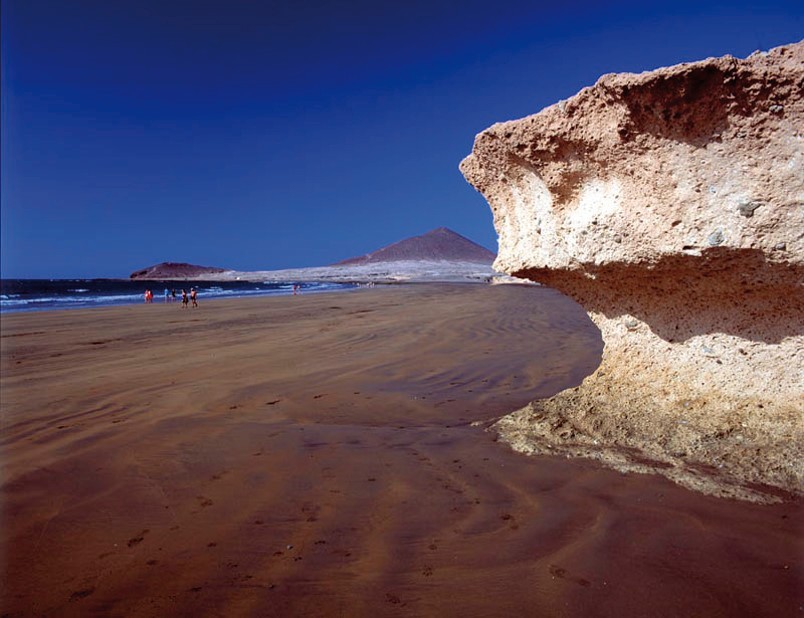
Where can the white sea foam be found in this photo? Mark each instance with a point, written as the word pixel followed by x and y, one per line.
pixel 36 297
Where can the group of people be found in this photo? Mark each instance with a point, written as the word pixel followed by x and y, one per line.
pixel 170 297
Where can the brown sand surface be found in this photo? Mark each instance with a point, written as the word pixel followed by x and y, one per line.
pixel 314 456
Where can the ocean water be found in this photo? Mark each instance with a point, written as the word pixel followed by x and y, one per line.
pixel 50 294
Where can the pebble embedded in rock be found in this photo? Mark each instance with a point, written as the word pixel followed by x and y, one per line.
pixel 746 209
pixel 715 238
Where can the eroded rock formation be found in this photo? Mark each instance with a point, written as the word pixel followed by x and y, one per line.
pixel 670 205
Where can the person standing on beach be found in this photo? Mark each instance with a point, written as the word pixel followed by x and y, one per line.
pixel 194 296
pixel 167 295
pixel 173 295
pixel 184 299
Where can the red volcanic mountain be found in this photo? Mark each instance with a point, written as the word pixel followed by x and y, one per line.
pixel 174 270
pixel 437 245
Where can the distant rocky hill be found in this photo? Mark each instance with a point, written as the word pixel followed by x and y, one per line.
pixel 174 270
pixel 438 244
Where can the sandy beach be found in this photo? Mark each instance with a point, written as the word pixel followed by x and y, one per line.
pixel 327 455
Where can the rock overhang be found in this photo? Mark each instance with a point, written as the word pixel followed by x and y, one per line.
pixel 670 205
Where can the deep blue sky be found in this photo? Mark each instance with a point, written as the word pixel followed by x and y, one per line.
pixel 264 135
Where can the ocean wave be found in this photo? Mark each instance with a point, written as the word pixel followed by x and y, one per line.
pixel 67 302
pixel 64 294
pixel 11 302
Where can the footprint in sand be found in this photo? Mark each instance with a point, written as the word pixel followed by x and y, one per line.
pixel 137 539
pixel 561 573
pixel 81 594
pixel 393 599
pixel 204 502
pixel 510 518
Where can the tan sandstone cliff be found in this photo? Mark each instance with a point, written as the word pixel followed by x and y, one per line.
pixel 670 205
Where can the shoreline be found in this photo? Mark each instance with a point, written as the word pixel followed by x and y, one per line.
pixel 316 455
pixel 130 293
pixel 270 283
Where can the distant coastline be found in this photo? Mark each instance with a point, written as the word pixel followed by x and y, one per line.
pixel 438 255
pixel 401 271
pixel 26 295
pixel 19 295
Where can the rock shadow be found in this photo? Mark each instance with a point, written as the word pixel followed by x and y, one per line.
pixel 724 290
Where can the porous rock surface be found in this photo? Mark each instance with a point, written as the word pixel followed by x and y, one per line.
pixel 670 205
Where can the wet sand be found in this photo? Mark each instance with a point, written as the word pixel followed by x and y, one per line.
pixel 316 456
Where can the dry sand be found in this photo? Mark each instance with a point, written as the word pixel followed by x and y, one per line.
pixel 314 456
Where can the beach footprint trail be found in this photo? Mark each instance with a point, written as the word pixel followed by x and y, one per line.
pixel 316 456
